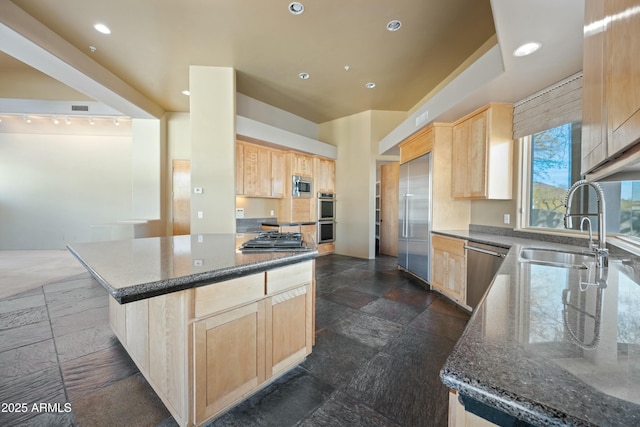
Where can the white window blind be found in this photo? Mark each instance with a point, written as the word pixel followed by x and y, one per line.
pixel 556 105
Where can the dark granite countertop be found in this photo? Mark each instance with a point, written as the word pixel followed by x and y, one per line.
pixel 131 270
pixel 547 347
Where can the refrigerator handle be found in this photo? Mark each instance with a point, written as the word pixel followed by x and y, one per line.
pixel 403 215
pixel 405 231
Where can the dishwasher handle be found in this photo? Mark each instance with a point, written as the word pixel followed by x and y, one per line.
pixel 484 251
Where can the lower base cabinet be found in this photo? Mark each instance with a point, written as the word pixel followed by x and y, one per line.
pixel 211 347
pixel 449 271
pixel 230 358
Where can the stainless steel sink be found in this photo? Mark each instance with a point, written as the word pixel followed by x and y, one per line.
pixel 556 258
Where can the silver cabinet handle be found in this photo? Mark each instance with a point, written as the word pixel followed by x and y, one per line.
pixel 484 251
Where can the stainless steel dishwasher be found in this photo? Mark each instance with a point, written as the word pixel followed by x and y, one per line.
pixel 483 262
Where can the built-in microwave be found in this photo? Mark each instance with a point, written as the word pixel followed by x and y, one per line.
pixel 301 186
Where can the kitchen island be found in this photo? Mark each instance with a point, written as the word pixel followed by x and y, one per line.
pixel 206 323
pixel 550 345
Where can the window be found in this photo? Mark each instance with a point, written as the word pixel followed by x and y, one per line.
pixel 552 164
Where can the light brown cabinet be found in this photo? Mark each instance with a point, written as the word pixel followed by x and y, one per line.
pixel 229 351
pixel 278 174
pixel 482 154
pixel 259 171
pixel 302 165
pixel 611 82
pixel 205 349
pixel 594 122
pixel 449 267
pixel 324 175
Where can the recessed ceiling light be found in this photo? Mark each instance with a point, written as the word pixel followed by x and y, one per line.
pixel 296 8
pixel 394 25
pixel 347 68
pixel 304 76
pixel 101 28
pixel 370 85
pixel 527 49
pixel 186 92
pixel 92 49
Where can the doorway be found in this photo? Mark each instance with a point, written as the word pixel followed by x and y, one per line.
pixel 389 181
pixel 181 197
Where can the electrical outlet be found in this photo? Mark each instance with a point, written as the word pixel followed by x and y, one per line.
pixel 200 215
pixel 198 262
pixel 507 219
pixel 197 190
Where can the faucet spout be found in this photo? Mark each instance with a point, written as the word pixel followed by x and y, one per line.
pixel 588 221
pixel 601 250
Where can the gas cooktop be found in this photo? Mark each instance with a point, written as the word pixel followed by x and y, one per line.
pixel 274 240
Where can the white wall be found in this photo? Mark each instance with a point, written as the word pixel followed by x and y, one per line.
pixel 146 168
pixel 355 177
pixel 213 136
pixel 59 189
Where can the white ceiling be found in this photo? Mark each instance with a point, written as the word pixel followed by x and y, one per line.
pixel 144 63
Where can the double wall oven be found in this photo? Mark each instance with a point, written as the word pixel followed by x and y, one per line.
pixel 326 217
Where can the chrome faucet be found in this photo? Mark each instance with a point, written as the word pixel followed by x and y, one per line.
pixel 601 252
pixel 588 221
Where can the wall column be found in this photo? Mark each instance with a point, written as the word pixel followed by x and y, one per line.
pixel 213 135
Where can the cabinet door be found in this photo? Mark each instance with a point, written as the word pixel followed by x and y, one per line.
pixel 482 156
pixel 623 75
pixel 594 129
pixel 477 162
pixel 239 168
pixel 460 160
pixel 455 286
pixel 277 174
pixel 290 335
pixel 257 171
pixel 325 175
pixel 449 271
pixel 439 269
pixel 229 358
pixel 302 165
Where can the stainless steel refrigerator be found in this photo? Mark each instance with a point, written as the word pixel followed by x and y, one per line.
pixel 414 219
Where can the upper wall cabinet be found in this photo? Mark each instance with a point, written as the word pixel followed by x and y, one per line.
pixel 259 171
pixel 302 165
pixel 482 164
pixel 611 87
pixel 325 171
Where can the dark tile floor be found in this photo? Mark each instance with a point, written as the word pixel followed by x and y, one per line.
pixel 381 340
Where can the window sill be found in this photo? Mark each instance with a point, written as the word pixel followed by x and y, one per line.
pixel 627 244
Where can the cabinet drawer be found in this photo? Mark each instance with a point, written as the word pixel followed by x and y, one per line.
pixel 231 293
pixel 289 277
pixel 448 244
